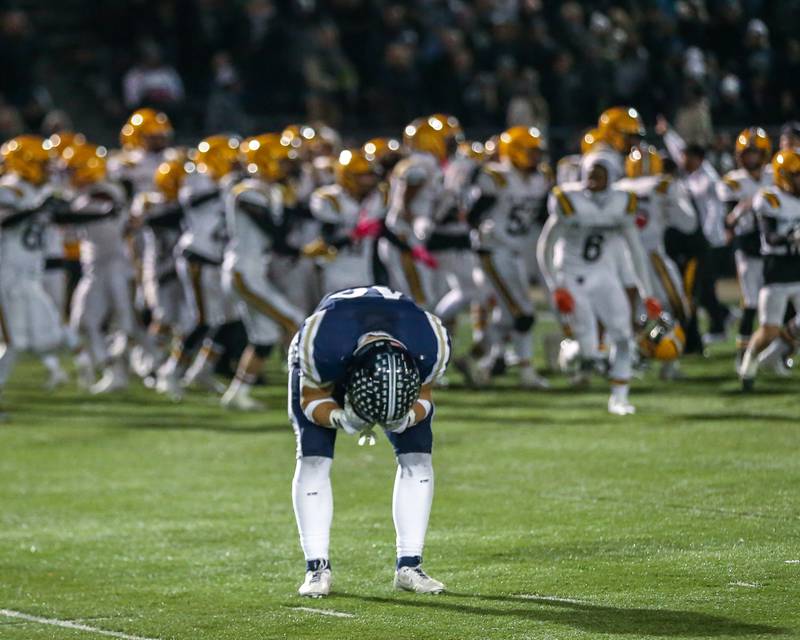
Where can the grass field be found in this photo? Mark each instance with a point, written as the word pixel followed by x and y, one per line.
pixel 552 519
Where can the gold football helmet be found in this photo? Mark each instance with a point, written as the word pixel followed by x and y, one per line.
pixel 216 156
pixel 386 152
pixel 643 161
pixel 490 148
pixel 169 175
pixel 60 140
pixel 522 147
pixel 438 135
pixel 754 138
pixel 621 127
pixel 146 129
pixel 662 339
pixel 84 163
pixel 786 170
pixel 268 156
pixel 27 157
pixel 355 172
pixel 590 139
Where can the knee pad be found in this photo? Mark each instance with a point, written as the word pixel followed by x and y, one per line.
pixel 263 350
pixel 313 468
pixel 523 323
pixel 416 464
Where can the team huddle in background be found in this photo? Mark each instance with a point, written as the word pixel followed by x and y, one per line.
pixel 179 248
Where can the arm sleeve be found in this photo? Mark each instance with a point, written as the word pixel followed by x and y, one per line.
pixel 551 232
pixel 631 235
pixel 680 213
pixel 675 145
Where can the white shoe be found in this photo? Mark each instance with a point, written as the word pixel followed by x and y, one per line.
pixel 416 580
pixel 142 362
pixel 780 369
pixel 529 379
pixel 57 379
pixel 619 407
pixel 203 379
pixel 169 385
pixel 241 400
pixel 115 378
pixel 317 583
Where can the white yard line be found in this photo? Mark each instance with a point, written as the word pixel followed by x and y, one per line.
pixel 67 624
pixel 792 561
pixel 749 585
pixel 324 612
pixel 533 596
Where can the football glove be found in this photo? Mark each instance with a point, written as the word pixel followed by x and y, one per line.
pixel 367 228
pixel 421 254
pixel 653 307
pixel 398 426
pixel 347 420
pixel 565 303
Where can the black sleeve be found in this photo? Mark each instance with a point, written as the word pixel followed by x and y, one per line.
pixel 769 231
pixel 333 236
pixel 261 216
pixel 17 218
pixel 169 218
pixel 480 208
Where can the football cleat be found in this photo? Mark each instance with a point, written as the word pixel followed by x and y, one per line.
pixel 203 379
pixel 239 399
pixel 115 378
pixel 416 580
pixel 529 379
pixel 620 407
pixel 57 378
pixel 168 384
pixel 317 583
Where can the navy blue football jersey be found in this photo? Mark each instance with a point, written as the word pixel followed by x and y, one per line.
pixel 329 337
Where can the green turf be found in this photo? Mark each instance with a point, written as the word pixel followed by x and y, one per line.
pixel 174 521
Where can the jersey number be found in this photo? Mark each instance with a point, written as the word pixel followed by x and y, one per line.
pixel 358 292
pixel 593 247
pixel 519 221
pixel 33 236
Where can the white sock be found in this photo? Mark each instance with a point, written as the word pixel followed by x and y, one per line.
pixel 620 392
pixel 411 502
pixel 523 345
pixel 51 363
pixel 312 498
pixel 621 358
pixel 7 360
pixel 749 366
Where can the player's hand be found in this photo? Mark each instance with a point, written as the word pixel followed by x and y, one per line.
pixel 339 420
pixel 565 303
pixel 653 307
pixel 421 254
pixel 367 228
pixel 398 426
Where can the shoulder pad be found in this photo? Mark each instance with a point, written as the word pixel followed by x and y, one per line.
pixel 497 175
pixel 732 183
pixel 770 197
pixel 564 202
pixel 663 185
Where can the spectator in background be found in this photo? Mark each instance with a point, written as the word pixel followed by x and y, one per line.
pixel 151 82
pixel 693 118
pixel 330 78
pixel 527 106
pixel 731 108
pixel 224 112
pixel 396 98
pixel 11 123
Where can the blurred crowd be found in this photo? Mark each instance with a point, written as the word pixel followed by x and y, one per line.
pixel 235 65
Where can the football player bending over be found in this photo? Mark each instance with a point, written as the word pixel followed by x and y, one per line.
pixel 368 356
pixel 583 278
pixel 778 211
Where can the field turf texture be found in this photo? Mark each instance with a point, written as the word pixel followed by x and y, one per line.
pixel 552 519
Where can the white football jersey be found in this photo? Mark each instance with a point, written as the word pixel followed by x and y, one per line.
pixel 137 167
pixel 22 246
pixel 205 231
pixel 589 220
pixel 779 211
pixel 737 186
pixel 254 215
pixel 159 241
pixel 414 222
pixel 519 198
pixel 101 241
pixel 662 203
